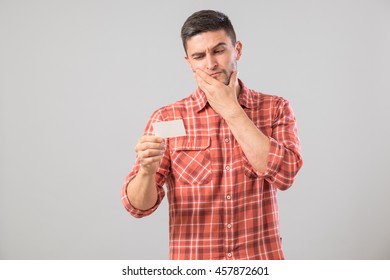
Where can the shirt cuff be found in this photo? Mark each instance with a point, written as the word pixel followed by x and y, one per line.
pixel 138 213
pixel 275 158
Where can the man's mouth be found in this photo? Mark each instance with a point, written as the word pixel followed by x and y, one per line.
pixel 214 75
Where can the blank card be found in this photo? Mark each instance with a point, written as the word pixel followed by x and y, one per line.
pixel 169 129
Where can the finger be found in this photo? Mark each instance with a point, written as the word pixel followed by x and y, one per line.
pixel 151 153
pixel 151 138
pixel 203 84
pixel 148 139
pixel 233 79
pixel 200 80
pixel 142 146
pixel 204 76
pixel 150 160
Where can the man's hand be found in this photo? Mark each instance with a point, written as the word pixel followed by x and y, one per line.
pixel 150 150
pixel 222 98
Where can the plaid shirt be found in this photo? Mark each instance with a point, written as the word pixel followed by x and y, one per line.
pixel 220 207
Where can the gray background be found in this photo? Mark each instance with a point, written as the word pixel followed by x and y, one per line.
pixel 79 79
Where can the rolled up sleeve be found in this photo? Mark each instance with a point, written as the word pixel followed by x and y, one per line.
pixel 284 159
pixel 127 204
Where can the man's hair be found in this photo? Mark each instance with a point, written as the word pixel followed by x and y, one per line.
pixel 204 21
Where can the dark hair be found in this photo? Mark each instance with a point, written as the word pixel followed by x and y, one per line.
pixel 204 21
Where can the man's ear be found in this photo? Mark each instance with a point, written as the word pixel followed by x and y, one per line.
pixel 238 48
pixel 188 61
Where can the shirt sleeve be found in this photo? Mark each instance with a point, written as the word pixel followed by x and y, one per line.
pixel 284 159
pixel 161 176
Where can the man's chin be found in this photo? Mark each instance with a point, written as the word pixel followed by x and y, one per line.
pixel 222 78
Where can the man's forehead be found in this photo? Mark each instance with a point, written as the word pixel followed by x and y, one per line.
pixel 207 40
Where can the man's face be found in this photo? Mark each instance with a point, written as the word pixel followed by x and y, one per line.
pixel 214 53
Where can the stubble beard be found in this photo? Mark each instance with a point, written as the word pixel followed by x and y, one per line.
pixel 228 75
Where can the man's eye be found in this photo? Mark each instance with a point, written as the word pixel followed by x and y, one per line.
pixel 198 57
pixel 219 51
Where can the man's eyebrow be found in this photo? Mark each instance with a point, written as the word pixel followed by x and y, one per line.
pixel 202 53
pixel 218 45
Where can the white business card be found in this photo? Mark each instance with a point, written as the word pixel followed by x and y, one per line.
pixel 169 129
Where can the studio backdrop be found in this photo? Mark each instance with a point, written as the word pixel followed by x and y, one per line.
pixel 79 80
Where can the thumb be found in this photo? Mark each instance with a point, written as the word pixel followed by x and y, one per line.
pixel 233 78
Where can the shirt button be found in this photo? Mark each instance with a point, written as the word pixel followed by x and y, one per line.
pixel 229 225
pixel 226 140
pixel 229 255
pixel 228 197
pixel 227 167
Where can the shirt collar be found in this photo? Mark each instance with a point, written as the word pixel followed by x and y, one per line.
pixel 245 98
pixel 200 99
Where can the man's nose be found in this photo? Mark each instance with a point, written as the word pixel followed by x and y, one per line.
pixel 211 62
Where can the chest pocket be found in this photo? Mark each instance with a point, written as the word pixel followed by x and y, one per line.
pixel 191 162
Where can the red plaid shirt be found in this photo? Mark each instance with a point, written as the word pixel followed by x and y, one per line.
pixel 220 207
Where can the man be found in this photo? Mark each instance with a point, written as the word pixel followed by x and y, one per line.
pixel 240 147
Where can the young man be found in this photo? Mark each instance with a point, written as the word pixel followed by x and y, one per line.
pixel 240 147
